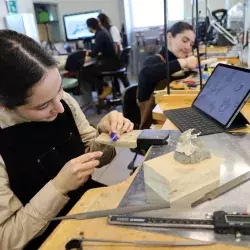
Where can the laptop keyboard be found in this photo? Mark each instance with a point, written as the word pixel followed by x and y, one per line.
pixel 189 118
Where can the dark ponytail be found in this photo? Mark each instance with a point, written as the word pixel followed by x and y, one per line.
pixel 23 63
pixel 179 27
pixel 105 21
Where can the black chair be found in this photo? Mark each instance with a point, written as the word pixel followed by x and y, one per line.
pixel 120 73
pixel 131 111
pixel 74 64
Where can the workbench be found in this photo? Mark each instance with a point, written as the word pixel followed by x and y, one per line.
pixel 111 197
pixel 107 198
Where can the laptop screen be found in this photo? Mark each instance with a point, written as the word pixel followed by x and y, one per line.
pixel 224 92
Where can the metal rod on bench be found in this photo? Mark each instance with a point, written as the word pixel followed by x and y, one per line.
pixel 206 27
pixel 197 42
pixel 166 44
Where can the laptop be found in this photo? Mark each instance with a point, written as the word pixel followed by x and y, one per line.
pixel 217 107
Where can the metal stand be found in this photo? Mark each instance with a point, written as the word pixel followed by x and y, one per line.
pixel 50 46
pixel 197 42
pixel 166 44
pixel 206 27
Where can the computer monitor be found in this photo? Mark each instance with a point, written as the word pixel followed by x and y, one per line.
pixel 225 93
pixel 76 27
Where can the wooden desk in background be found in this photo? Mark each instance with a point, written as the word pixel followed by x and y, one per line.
pixel 221 52
pixel 61 61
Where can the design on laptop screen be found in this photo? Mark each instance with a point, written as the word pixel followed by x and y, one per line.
pixel 223 93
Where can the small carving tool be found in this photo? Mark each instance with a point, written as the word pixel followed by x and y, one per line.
pixel 113 138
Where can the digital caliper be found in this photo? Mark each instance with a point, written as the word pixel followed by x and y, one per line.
pixel 220 221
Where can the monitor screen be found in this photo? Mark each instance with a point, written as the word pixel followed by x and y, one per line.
pixel 76 26
pixel 224 92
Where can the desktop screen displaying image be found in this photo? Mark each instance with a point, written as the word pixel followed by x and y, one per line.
pixel 76 26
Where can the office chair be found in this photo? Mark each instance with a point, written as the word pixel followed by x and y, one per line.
pixel 71 80
pixel 116 75
pixel 131 111
pixel 121 72
pixel 124 61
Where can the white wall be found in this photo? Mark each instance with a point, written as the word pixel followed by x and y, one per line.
pixel 3 12
pixel 110 7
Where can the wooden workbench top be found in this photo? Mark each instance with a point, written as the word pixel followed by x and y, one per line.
pixel 107 198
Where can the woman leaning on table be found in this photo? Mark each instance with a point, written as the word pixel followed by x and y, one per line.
pixel 181 38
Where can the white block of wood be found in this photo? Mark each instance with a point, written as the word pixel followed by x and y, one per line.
pixel 173 180
pixel 127 140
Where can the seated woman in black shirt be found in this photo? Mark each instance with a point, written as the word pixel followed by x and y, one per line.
pixel 181 38
pixel 104 50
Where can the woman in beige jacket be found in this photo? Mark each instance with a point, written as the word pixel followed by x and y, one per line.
pixel 47 148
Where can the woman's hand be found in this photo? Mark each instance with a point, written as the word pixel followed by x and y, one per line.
pixel 76 172
pixel 116 123
pixel 190 62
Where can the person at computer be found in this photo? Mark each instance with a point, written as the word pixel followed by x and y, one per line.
pixel 48 150
pixel 104 22
pixel 181 38
pixel 104 50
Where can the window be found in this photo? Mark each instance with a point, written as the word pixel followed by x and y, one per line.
pixel 148 13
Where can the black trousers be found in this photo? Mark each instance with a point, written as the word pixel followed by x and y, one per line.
pixel 92 74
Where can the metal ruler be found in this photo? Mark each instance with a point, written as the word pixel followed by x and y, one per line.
pixel 223 189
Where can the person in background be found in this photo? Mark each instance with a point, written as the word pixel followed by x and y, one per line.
pixel 107 60
pixel 48 150
pixel 104 22
pixel 181 39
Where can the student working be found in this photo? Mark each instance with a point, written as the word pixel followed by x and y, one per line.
pixel 107 60
pixel 105 23
pixel 48 150
pixel 181 38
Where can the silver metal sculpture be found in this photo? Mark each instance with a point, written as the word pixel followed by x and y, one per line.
pixel 190 149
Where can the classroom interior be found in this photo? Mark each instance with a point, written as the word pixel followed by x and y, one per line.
pixel 221 46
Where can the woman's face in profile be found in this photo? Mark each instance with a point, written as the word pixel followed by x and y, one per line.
pixel 181 45
pixel 44 102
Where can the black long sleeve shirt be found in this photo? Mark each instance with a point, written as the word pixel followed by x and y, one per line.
pixel 153 71
pixel 103 44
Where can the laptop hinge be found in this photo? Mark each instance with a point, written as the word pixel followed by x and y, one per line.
pixel 240 121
